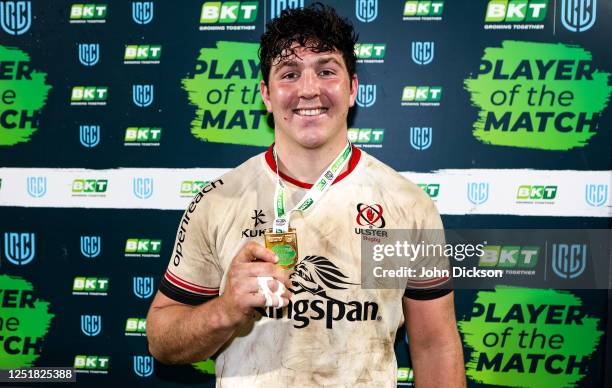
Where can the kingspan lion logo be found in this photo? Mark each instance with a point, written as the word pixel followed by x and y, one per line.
pixel 315 271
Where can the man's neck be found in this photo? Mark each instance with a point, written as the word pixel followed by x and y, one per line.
pixel 306 165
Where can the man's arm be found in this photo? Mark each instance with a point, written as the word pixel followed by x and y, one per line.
pixel 435 348
pixel 179 333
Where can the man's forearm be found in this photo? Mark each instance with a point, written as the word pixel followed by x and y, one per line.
pixel 185 334
pixel 438 364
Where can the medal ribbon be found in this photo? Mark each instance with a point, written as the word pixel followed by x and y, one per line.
pixel 281 217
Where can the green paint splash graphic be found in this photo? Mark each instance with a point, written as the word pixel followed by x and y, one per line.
pixel 25 321
pixel 23 93
pixel 207 366
pixel 560 336
pixel 225 90
pixel 538 95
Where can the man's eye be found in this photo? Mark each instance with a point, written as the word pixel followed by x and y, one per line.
pixel 326 72
pixel 290 76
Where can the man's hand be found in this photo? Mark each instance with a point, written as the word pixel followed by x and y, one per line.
pixel 241 294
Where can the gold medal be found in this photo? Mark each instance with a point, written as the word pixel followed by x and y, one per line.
pixel 284 245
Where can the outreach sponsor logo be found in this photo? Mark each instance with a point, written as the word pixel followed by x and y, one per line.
pixel 143 366
pixel 19 248
pixel 536 194
pixel 513 259
pixel 366 95
pixel 258 219
pixel 432 189
pixel 370 52
pixel 91 246
pixel 228 15
pixel 89 53
pixel 36 186
pixel 136 327
pixel 89 135
pixel 596 195
pixel 143 95
pixel 143 136
pixel 182 232
pixel 91 325
pixel 423 10
pixel 142 12
pixel 88 13
pixel 366 137
pixel 421 96
pixel 516 14
pixel 142 54
pixel 569 260
pixel 142 247
pixel 191 188
pixel 93 286
pixel 478 192
pixel 89 187
pixel 88 96
pixel 327 285
pixel 421 138
pixel 277 6
pixel 405 375
pixel 142 286
pixel 91 364
pixel 578 15
pixel 142 187
pixel 16 16
pixel 422 53
pixel 366 10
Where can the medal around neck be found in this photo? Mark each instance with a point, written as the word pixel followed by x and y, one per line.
pixel 282 239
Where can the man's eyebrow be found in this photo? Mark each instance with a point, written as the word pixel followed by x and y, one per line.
pixel 287 63
pixel 326 60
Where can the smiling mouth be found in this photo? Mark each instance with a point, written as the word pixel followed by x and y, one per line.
pixel 310 112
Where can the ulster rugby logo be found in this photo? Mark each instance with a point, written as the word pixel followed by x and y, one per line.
pixel 370 215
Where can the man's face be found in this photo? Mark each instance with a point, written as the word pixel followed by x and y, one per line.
pixel 310 94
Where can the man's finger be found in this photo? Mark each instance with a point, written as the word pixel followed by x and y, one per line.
pixel 252 251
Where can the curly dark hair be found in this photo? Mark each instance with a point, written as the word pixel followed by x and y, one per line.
pixel 316 27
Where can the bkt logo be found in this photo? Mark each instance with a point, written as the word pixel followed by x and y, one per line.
pixel 578 15
pixel 366 95
pixel 91 325
pixel 19 248
pixel 228 12
pixel 90 286
pixel 142 286
pixel 86 363
pixel 596 195
pixel 277 6
pixel 143 53
pixel 142 95
pixel 421 137
pixel 478 192
pixel 569 260
pixel 192 187
pixel 136 327
pixel 369 136
pixel 423 10
pixel 89 185
pixel 88 13
pixel 16 16
pixel 143 366
pixel 432 189
pixel 366 10
pixel 421 95
pixel 89 135
pixel 89 95
pixel 91 246
pixel 422 52
pixel 135 136
pixel 142 246
pixel 36 186
pixel 516 11
pixel 499 256
pixel 143 187
pixel 89 53
pixel 536 192
pixel 142 12
pixel 370 52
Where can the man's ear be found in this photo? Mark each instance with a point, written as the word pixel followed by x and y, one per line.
pixel 354 87
pixel 265 95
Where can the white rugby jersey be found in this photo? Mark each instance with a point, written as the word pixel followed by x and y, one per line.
pixel 333 332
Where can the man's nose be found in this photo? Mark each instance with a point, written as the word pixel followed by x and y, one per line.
pixel 309 85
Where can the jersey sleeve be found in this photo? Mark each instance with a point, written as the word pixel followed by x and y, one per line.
pixel 431 235
pixel 193 275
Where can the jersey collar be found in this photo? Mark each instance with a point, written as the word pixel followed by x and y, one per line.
pixel 352 163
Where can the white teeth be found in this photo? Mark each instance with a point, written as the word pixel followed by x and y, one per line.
pixel 310 112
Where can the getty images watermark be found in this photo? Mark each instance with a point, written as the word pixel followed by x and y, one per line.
pixel 486 258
